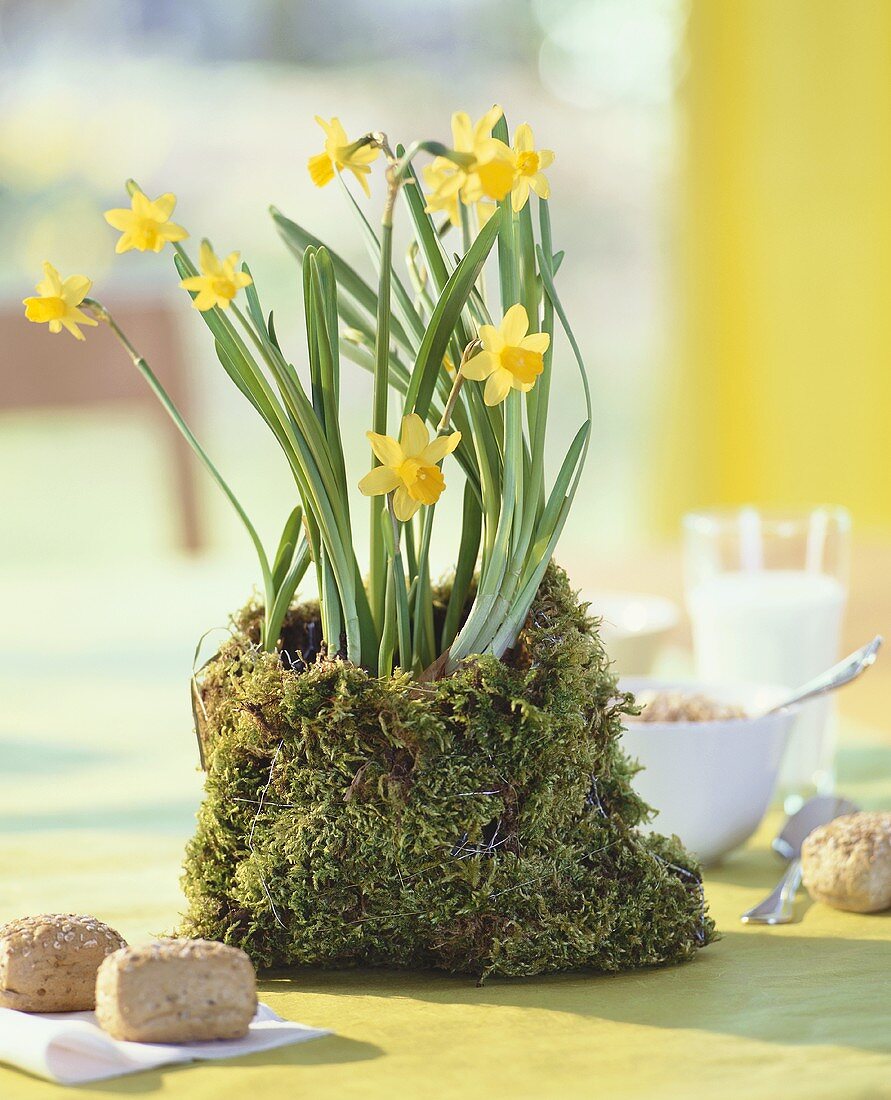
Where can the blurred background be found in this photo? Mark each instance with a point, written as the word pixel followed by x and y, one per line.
pixel 722 191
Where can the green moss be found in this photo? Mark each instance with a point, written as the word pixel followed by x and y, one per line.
pixel 454 824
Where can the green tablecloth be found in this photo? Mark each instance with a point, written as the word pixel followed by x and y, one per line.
pixel 97 789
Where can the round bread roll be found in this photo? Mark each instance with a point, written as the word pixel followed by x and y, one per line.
pixel 847 863
pixel 176 991
pixel 49 963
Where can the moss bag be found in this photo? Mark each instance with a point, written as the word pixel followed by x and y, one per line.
pixel 482 824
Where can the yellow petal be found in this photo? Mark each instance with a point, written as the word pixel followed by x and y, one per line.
pixel 490 338
pixel 81 318
pixel 484 127
pixel 361 175
pixel 462 131
pixel 481 365
pixel 206 300
pixel 523 141
pixel 75 289
pixel 71 327
pixel 414 437
pixel 540 185
pixel 520 195
pixel 382 479
pixel 364 155
pixel 119 218
pixel 336 133
pixel 164 205
pixel 403 505
pixel 498 387
pixel 125 243
pixel 440 447
pixel 141 204
pixel 545 158
pixel 386 449
pixel 514 325
pixel 51 283
pixel 536 341
pixel 207 260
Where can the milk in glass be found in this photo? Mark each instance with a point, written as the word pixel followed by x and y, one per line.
pixel 774 626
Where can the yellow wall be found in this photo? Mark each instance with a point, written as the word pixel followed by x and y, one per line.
pixel 784 381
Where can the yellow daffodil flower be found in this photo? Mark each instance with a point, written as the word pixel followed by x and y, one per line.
pixel 529 164
pixel 510 357
pixel 218 282
pixel 444 181
pixel 340 153
pixel 410 467
pixel 57 301
pixel 491 175
pixel 146 226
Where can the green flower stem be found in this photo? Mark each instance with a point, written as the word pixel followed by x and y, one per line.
pixel 411 554
pixel 388 633
pixel 101 314
pixel 377 577
pixel 466 230
pixel 423 640
pixel 489 606
pixel 468 551
pixel 403 618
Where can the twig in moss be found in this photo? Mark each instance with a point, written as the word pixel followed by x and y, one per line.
pixel 250 842
pixel 699 933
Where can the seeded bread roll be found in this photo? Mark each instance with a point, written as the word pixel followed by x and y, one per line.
pixel 847 863
pixel 49 963
pixel 176 991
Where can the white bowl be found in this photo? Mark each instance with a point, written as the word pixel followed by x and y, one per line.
pixel 711 782
pixel 634 628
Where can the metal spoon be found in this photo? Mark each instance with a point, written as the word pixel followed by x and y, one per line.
pixel 777 906
pixel 837 676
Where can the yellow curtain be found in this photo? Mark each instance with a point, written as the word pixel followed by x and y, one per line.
pixel 783 390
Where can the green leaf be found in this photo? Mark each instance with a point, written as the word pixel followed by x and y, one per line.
pixel 349 280
pixel 285 594
pixel 253 304
pixel 445 316
pixel 425 231
pixel 286 546
pixel 468 551
pixel 413 323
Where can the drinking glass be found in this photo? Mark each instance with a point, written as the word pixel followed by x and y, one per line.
pixel 766 592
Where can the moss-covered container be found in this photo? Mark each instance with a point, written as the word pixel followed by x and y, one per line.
pixel 483 824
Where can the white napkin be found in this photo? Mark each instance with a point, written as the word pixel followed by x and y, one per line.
pixel 70 1047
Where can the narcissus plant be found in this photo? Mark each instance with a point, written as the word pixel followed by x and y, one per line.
pixel 400 773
